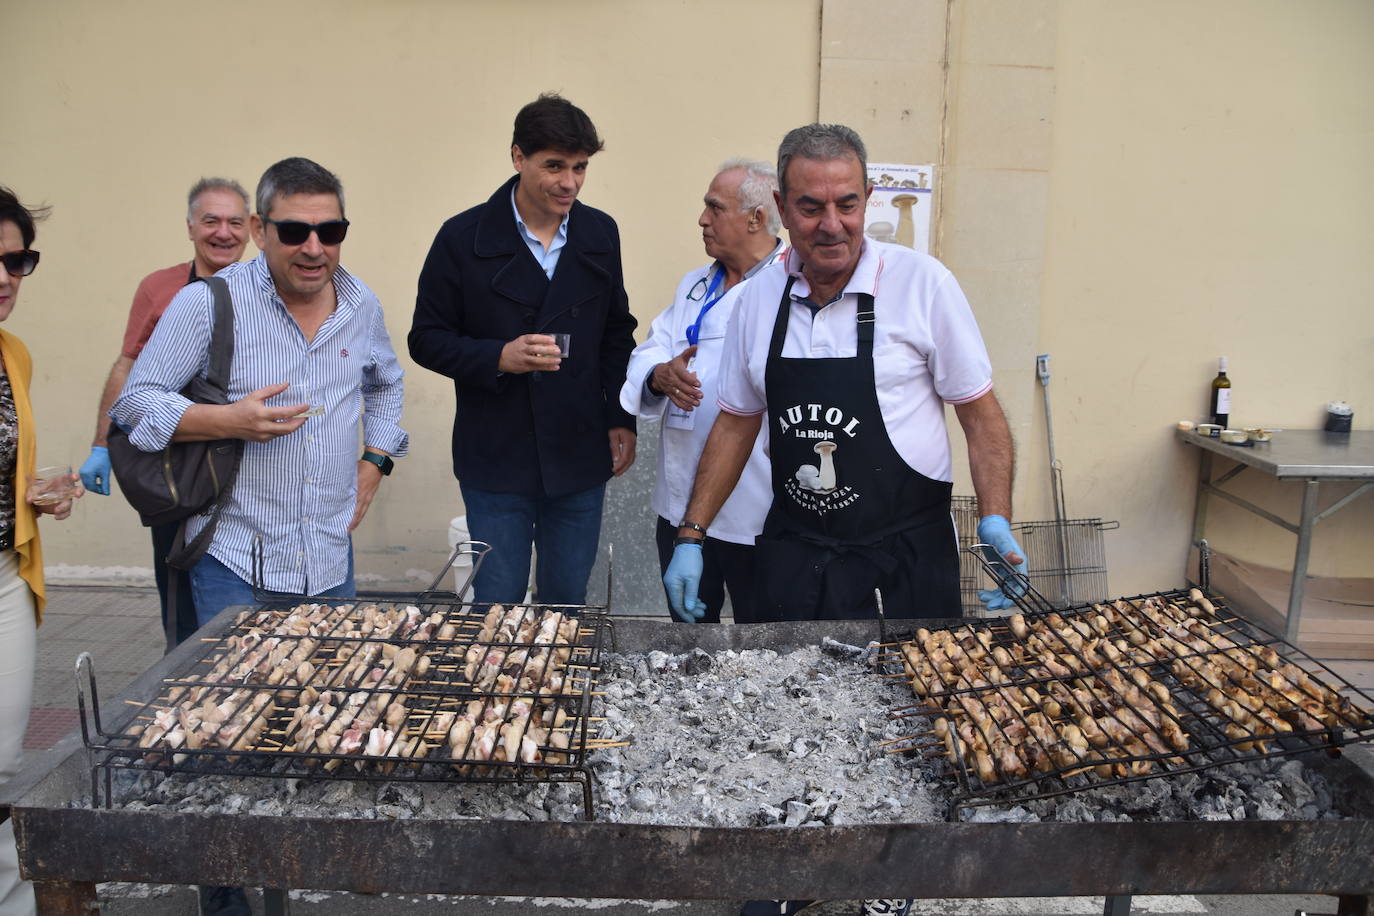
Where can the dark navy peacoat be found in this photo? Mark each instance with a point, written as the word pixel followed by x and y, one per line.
pixel 533 433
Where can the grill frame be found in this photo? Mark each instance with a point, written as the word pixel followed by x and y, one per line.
pixel 647 861
pixel 1210 744
pixel 117 748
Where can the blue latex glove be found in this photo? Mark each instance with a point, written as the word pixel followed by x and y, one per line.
pixel 682 580
pixel 996 531
pixel 95 473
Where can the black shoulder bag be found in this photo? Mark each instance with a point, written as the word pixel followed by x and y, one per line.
pixel 186 478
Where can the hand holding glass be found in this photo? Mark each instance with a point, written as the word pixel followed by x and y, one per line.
pixel 51 485
pixel 304 394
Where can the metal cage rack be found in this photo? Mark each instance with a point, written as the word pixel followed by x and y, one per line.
pixel 402 677
pixel 1067 561
pixel 1103 694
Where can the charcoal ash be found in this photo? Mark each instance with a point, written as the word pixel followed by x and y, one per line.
pixel 729 739
pixel 754 738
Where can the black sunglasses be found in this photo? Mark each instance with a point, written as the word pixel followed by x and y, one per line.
pixel 295 232
pixel 20 263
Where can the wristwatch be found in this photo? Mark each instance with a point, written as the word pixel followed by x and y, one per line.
pixel 383 462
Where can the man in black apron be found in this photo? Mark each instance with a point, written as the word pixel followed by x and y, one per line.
pixel 851 348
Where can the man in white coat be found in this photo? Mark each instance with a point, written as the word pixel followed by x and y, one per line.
pixel 672 379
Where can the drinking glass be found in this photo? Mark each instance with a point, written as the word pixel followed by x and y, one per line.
pixel 52 484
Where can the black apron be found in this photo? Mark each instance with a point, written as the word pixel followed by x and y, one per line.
pixel 849 515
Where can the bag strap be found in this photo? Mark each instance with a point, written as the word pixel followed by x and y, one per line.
pixel 183 555
pixel 222 335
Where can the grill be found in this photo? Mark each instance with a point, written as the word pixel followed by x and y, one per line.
pixel 442 691
pixel 580 859
pixel 1067 559
pixel 1050 702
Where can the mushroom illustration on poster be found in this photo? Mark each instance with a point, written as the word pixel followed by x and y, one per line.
pixel 899 209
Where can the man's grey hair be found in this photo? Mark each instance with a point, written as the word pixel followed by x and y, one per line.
pixel 296 175
pixel 821 142
pixel 212 184
pixel 756 189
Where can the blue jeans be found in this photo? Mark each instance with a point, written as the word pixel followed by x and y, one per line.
pixel 564 530
pixel 216 587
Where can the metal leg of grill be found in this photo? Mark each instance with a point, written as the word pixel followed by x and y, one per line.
pixel 1353 905
pixel 275 902
pixel 66 898
pixel 1119 905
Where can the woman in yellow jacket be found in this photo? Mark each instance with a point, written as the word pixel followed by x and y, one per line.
pixel 21 555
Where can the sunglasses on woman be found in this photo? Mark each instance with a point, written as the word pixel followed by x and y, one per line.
pixel 295 232
pixel 20 263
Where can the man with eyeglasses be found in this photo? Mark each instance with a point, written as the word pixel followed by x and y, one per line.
pixel 672 379
pixel 217 225
pixel 538 430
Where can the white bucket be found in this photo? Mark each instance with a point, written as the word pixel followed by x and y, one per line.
pixel 462 566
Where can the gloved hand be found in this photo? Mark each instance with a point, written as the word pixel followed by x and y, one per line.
pixel 95 473
pixel 682 580
pixel 996 531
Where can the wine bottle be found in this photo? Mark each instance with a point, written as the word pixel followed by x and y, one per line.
pixel 1221 395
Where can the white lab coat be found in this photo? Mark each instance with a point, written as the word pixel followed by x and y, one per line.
pixel 741 518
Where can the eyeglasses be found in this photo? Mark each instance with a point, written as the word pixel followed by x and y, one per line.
pixel 295 232
pixel 20 263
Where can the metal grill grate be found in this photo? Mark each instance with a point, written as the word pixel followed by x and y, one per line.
pixel 1080 578
pixel 349 690
pixel 1047 703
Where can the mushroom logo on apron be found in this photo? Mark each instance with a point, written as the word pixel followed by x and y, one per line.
pixel 816 487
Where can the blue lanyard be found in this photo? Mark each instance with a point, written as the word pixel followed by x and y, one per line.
pixel 694 329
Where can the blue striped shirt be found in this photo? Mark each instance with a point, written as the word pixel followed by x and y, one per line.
pixel 298 491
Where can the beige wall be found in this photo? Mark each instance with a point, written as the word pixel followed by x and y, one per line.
pixel 1209 197
pixel 125 105
pixel 1134 188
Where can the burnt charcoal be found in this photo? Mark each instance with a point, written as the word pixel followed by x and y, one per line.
pixel 994 815
pixel 840 649
pixel 698 662
pixel 797 813
pixel 766 816
pixel 765 744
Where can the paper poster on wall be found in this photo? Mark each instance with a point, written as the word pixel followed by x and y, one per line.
pixel 899 209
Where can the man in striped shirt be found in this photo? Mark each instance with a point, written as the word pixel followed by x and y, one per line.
pixel 300 322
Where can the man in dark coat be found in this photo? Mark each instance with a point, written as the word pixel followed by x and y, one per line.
pixel 539 428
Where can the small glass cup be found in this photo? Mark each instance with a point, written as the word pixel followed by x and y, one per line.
pixel 304 394
pixel 564 344
pixel 51 485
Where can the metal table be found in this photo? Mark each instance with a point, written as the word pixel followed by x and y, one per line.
pixel 1309 455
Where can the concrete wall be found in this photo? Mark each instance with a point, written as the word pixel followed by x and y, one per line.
pixel 1133 188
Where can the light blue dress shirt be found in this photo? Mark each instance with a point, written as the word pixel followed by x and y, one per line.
pixel 298 491
pixel 547 257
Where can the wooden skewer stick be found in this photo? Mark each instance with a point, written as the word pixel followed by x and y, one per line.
pixel 603 745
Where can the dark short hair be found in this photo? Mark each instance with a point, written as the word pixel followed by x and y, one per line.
pixel 296 175
pixel 552 122
pixel 820 142
pixel 12 211
pixel 213 184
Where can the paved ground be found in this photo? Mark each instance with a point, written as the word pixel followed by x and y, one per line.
pixel 119 627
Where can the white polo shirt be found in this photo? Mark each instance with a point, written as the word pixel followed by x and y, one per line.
pixel 927 350
pixel 741 518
